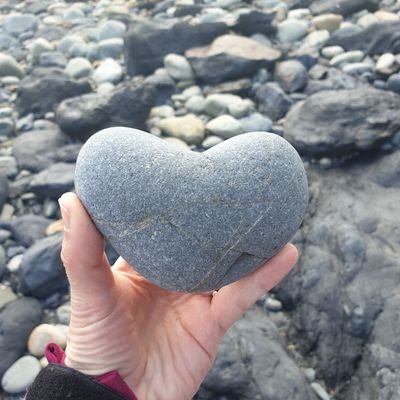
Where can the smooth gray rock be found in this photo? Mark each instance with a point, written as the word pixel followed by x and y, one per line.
pixel 192 221
pixel 17 24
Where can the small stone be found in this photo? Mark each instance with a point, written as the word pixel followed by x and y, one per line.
pixel 111 29
pixel 108 71
pixel 367 20
pixel 358 68
pixel 332 51
pixel 218 104
pixel 316 39
pixel 110 48
pixel 79 67
pixel 177 143
pixel 178 67
pixel 52 59
pixel 18 24
pixel 325 163
pixel 15 262
pixel 55 227
pixel 73 13
pixel 7 127
pixel 8 166
pixel 388 16
pixel 393 83
pixel 191 91
pixel 347 57
pixel 386 64
pixel 4 235
pixel 329 22
pixel 292 30
pixel 310 374
pixel 68 41
pixel 39 46
pixel 20 375
pixel 211 141
pixel 189 128
pixel 6 295
pixel 256 122
pixel 64 314
pixel 291 75
pixel 299 13
pixel 44 334
pixel 196 104
pixel 105 87
pixel 320 391
pixel 225 126
pixel 9 67
pixel 162 112
pixel 272 304
pixel 7 212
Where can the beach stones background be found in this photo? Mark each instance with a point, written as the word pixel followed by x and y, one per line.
pixel 323 74
pixel 189 221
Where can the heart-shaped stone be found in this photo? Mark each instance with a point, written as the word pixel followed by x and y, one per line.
pixel 191 221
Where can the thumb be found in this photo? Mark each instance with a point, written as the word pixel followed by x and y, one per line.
pixel 232 301
pixel 82 253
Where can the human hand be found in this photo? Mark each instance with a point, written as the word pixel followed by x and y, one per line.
pixel 162 343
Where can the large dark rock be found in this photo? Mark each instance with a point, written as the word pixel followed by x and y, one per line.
pixel 36 150
pixel 255 21
pixel 53 181
pixel 272 100
pixel 41 273
pixel 147 43
pixel 128 105
pixel 253 364
pixel 230 57
pixel 17 319
pixel 379 38
pixel 342 122
pixel 26 229
pixel 349 270
pixel 343 7
pixel 3 190
pixel 45 88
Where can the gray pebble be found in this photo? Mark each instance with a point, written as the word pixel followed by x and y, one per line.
pixel 20 375
pixel 211 141
pixel 225 126
pixel 18 24
pixel 9 66
pixel 79 67
pixel 111 29
pixel 256 122
pixel 192 221
pixel 292 30
pixel 108 71
pixel 178 67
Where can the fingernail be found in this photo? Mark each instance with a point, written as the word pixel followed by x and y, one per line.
pixel 64 212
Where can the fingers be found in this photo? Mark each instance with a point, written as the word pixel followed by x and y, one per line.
pixel 82 253
pixel 233 300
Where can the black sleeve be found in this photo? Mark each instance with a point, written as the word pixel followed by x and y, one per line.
pixel 57 382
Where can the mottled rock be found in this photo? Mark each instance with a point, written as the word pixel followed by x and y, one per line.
pixel 41 273
pixel 291 75
pixel 219 103
pixel 202 236
pixel 251 363
pixel 189 128
pixel 342 122
pixel 128 105
pixel 36 150
pixel 17 319
pixel 57 86
pixel 53 181
pixel 272 100
pixel 225 126
pixel 20 375
pixel 147 43
pixel 230 57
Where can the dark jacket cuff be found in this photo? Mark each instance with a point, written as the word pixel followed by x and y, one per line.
pixel 57 382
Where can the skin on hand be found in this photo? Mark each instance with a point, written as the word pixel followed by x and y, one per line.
pixel 162 343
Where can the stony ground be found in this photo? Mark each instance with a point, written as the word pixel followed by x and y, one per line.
pixel 323 74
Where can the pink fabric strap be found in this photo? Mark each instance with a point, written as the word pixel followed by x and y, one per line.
pixel 112 379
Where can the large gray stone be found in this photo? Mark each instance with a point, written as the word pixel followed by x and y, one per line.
pixel 190 221
pixel 343 122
